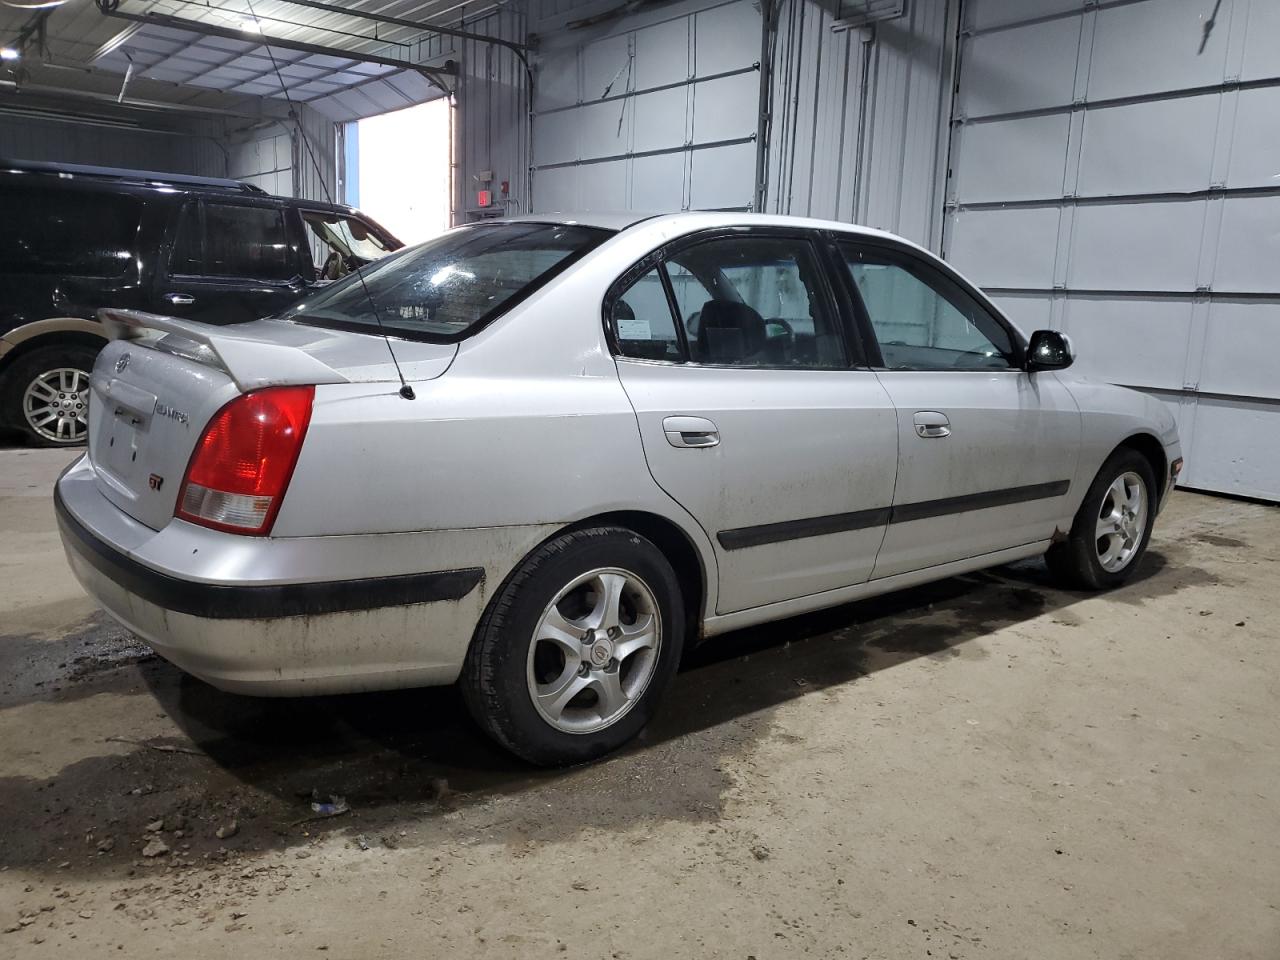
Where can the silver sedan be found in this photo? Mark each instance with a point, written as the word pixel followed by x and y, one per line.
pixel 542 457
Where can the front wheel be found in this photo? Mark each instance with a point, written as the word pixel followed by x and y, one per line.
pixel 1112 528
pixel 45 394
pixel 574 652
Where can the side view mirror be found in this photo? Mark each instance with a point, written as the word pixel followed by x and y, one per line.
pixel 1049 350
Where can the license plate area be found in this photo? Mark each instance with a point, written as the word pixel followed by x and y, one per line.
pixel 128 411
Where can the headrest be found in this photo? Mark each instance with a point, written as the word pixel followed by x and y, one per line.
pixel 729 331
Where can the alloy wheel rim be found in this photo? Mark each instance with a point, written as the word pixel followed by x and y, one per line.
pixel 1122 520
pixel 56 404
pixel 594 651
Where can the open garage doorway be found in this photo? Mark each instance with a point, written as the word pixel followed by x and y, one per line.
pixel 398 169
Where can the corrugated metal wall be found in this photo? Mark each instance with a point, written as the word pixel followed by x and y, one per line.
pixel 1115 176
pixel 26 137
pixel 858 128
pixel 492 128
pixel 274 157
pixel 654 110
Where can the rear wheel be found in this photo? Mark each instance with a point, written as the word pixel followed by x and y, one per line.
pixel 1112 528
pixel 575 650
pixel 45 394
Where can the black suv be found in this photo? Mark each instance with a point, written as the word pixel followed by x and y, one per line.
pixel 76 238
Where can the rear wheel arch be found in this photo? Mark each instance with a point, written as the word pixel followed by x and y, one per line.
pixel 676 545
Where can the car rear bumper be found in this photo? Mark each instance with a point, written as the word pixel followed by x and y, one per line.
pixel 229 617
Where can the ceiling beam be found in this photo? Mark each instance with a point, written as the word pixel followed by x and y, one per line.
pixel 230 33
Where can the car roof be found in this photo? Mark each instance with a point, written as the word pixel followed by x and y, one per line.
pixel 619 220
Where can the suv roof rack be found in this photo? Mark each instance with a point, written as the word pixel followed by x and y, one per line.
pixel 120 173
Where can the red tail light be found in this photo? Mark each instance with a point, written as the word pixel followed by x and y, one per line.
pixel 241 467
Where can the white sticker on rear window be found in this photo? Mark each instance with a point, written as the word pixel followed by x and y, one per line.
pixel 636 329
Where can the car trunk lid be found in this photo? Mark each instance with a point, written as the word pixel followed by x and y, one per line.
pixel 160 381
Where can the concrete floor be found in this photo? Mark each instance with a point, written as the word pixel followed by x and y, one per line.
pixel 986 767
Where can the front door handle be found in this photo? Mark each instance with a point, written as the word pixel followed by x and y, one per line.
pixel 180 299
pixel 931 423
pixel 690 432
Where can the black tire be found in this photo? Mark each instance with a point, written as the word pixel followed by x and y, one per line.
pixel 494 679
pixel 30 367
pixel 1075 563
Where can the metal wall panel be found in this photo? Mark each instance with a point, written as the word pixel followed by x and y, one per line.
pixel 672 83
pixel 1249 248
pixel 1172 285
pixel 1155 46
pixel 1024 69
pixel 856 122
pixel 1005 248
pixel 492 120
pixel 1118 330
pixel 1255 148
pixel 74 141
pixel 1135 246
pixel 985 14
pixel 1021 159
pixel 721 178
pixel 1236 333
pixel 1145 147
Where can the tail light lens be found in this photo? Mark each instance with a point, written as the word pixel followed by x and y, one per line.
pixel 241 467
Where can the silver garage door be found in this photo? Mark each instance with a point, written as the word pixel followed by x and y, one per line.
pixel 1115 173
pixel 656 114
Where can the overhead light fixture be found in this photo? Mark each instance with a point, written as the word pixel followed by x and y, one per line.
pixel 243 21
pixel 10 53
pixel 33 4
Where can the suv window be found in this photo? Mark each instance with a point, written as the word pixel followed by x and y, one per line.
pixel 921 319
pixel 187 257
pixel 445 288
pixel 243 241
pixel 70 232
pixel 755 301
pixel 338 243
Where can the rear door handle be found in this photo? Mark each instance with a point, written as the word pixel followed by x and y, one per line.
pixel 690 432
pixel 180 299
pixel 931 423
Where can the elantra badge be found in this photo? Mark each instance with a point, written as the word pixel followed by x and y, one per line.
pixel 155 481
pixel 164 410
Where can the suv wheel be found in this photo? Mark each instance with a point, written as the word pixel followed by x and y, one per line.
pixel 45 394
pixel 573 653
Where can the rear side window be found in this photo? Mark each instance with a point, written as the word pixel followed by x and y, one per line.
pixel 642 321
pixel 74 233
pixel 446 288
pixel 742 301
pixel 187 257
pixel 246 242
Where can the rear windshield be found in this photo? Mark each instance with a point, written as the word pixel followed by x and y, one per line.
pixel 446 288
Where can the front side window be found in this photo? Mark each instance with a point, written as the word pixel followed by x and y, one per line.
pixel 340 244
pixel 755 301
pixel 73 233
pixel 243 241
pixel 921 320
pixel 445 288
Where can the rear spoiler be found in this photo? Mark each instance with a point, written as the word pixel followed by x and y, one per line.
pixel 253 363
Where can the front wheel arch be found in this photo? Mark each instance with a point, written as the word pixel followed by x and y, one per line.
pixel 1153 450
